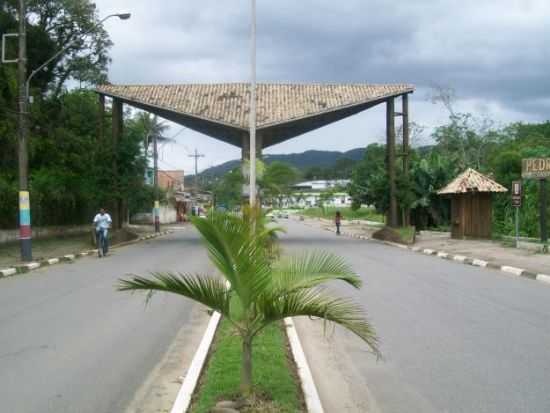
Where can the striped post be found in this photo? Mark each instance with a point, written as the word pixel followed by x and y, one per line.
pixel 25 233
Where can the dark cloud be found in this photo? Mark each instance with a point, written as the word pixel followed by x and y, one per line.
pixel 494 53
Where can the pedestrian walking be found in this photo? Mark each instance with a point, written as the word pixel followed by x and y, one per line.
pixel 337 221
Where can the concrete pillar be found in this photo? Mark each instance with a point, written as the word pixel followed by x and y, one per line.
pixel 245 157
pixel 259 145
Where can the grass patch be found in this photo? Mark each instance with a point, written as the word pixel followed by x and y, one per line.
pixel 401 235
pixel 368 214
pixel 276 386
pixel 407 234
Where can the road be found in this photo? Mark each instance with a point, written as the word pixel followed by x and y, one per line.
pixel 455 338
pixel 69 343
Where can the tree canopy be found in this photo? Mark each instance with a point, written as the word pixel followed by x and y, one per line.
pixel 71 172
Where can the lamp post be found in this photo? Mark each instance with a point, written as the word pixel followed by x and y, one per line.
pixel 253 109
pixel 25 232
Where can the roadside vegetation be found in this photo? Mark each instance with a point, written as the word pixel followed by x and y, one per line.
pixel 368 214
pixel 465 141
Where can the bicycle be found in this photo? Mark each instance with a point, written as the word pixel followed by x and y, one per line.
pixel 102 242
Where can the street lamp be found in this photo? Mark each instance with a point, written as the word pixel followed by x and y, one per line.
pixel 121 16
pixel 252 119
pixel 25 232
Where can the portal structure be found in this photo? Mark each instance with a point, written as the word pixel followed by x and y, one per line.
pixel 284 111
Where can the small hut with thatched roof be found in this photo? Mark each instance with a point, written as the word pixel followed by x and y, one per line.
pixel 471 209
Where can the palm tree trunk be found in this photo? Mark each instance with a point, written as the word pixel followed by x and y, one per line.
pixel 246 368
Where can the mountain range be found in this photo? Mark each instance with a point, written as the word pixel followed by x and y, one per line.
pixel 302 160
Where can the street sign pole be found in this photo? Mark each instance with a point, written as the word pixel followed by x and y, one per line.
pixel 517 227
pixel 516 203
pixel 543 211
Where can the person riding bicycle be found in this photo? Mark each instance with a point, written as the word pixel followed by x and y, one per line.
pixel 102 222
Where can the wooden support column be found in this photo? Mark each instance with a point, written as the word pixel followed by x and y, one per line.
pixel 390 161
pixel 406 152
pixel 117 125
pixel 101 119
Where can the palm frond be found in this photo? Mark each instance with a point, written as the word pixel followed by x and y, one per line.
pixel 209 291
pixel 316 303
pixel 238 253
pixel 312 269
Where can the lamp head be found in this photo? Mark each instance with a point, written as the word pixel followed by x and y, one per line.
pixel 124 16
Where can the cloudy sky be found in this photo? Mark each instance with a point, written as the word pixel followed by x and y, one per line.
pixel 495 54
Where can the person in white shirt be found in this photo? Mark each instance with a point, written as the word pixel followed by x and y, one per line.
pixel 102 222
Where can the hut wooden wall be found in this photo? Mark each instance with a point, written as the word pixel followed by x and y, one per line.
pixel 471 215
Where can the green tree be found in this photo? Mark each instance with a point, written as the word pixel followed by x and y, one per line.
pixel 261 291
pixel 369 181
pixel 228 190
pixel 277 181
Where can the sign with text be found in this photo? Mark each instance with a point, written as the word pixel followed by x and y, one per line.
pixel 535 168
pixel 516 194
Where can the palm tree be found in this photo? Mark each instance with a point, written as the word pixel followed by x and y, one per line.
pixel 262 291
pixel 151 127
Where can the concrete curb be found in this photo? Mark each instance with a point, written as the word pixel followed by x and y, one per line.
pixel 311 396
pixel 25 268
pixel 183 399
pixel 518 272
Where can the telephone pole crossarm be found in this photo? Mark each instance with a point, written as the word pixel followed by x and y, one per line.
pixel 197 155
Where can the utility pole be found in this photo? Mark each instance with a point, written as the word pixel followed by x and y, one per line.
pixel 25 232
pixel 156 208
pixel 196 155
pixel 253 109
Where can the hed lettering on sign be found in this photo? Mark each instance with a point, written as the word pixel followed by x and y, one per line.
pixel 535 168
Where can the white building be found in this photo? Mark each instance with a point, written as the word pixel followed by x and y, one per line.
pixel 311 194
pixel 321 185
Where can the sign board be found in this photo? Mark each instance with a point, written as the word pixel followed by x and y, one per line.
pixel 516 194
pixel 535 168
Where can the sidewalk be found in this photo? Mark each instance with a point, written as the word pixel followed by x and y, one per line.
pixel 10 254
pixel 492 252
pixel 46 248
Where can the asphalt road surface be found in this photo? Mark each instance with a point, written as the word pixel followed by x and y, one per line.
pixel 455 338
pixel 69 343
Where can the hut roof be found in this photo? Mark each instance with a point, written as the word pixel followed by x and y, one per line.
pixel 471 181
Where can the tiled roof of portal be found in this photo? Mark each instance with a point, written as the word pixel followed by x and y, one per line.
pixel 228 103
